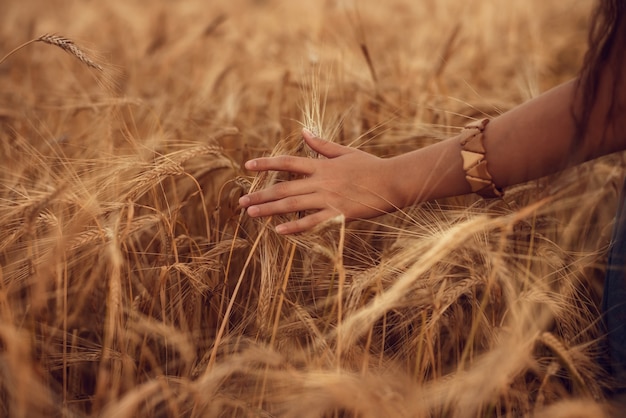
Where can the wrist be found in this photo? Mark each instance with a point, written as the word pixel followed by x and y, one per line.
pixel 388 174
pixel 433 172
pixel 408 178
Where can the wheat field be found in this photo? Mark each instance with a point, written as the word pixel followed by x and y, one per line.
pixel 132 284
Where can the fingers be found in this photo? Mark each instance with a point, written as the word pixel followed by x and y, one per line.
pixel 276 192
pixel 326 148
pixel 289 204
pixel 299 165
pixel 292 164
pixel 297 195
pixel 306 223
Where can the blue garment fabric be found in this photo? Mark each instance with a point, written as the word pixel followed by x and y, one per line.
pixel 614 298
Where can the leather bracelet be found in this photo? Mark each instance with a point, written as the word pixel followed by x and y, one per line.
pixel 475 160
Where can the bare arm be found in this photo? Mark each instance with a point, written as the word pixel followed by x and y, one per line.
pixel 530 141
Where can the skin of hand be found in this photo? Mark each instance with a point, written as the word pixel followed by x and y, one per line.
pixel 347 181
pixel 531 140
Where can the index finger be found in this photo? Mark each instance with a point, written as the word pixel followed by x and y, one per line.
pixel 289 163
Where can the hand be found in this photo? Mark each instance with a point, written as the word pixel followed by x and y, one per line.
pixel 348 181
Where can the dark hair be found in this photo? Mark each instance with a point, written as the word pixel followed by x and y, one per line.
pixel 606 47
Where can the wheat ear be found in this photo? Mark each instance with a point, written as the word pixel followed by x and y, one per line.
pixel 564 357
pixel 65 44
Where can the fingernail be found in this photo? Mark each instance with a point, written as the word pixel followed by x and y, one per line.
pixel 253 211
pixel 250 164
pixel 308 133
pixel 244 201
pixel 281 229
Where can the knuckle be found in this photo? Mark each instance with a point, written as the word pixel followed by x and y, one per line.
pixel 299 225
pixel 293 164
pixel 285 161
pixel 292 204
pixel 281 189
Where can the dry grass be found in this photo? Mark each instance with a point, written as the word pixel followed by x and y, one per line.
pixel 65 44
pixel 131 284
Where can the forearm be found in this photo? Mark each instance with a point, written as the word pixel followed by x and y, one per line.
pixel 530 141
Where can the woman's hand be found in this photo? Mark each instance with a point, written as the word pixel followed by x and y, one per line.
pixel 348 181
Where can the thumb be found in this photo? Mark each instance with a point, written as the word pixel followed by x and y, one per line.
pixel 326 148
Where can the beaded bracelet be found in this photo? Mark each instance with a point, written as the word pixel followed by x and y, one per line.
pixel 475 161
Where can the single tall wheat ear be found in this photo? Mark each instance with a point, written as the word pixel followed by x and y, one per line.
pixel 64 43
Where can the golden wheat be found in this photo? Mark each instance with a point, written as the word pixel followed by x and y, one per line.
pixel 132 283
pixel 65 44
pixel 70 47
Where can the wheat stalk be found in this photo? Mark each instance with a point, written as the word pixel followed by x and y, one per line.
pixel 64 43
pixel 140 299
pixel 564 357
pixel 69 46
